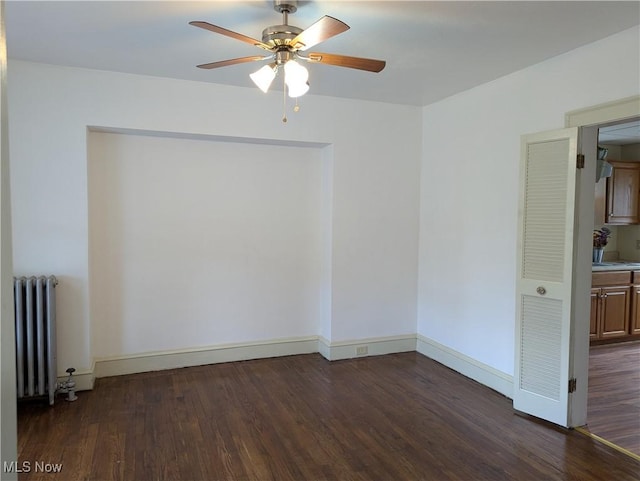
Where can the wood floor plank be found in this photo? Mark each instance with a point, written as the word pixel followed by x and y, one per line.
pixel 613 410
pixel 394 417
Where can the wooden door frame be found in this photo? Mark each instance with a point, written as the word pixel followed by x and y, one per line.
pixel 589 119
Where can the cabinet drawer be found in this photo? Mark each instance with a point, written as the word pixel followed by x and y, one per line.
pixel 611 278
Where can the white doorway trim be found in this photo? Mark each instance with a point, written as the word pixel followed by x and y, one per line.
pixel 608 112
pixel 589 118
pixel 8 399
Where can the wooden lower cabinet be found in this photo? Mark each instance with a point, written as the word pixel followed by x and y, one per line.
pixel 615 312
pixel 634 327
pixel 595 313
pixel 610 312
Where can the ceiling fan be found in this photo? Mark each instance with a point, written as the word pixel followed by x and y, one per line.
pixel 285 44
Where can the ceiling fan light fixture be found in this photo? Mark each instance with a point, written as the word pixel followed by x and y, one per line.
pixel 296 77
pixel 264 77
pixel 295 73
pixel 284 43
pixel 298 90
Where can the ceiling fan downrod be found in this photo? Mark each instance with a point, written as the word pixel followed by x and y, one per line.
pixel 285 7
pixel 279 36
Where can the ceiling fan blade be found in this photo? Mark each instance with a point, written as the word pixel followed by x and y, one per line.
pixel 322 30
pixel 230 33
pixel 359 63
pixel 233 61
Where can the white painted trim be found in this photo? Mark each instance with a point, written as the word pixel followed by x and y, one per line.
pixel 483 373
pixel 324 347
pixel 332 351
pixel 376 346
pixel 8 399
pixel 608 112
pixel 156 361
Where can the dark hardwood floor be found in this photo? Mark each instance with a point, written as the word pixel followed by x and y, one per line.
pixel 395 417
pixel 613 409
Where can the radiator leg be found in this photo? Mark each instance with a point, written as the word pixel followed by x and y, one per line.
pixel 69 386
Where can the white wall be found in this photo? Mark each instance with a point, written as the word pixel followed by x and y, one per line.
pixel 626 242
pixel 372 158
pixel 469 194
pixel 199 242
pixel 630 153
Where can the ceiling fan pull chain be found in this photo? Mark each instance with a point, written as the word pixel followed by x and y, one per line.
pixel 284 100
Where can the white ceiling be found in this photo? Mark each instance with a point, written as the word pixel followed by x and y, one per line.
pixel 620 134
pixel 432 49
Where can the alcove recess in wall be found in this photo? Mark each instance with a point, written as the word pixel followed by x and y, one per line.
pixel 623 242
pixel 203 242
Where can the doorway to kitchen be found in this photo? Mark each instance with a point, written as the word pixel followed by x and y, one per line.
pixel 591 120
pixel 613 407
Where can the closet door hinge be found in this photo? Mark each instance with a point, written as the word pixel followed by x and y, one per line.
pixel 572 384
pixel 580 161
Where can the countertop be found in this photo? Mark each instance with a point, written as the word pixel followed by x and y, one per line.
pixel 616 266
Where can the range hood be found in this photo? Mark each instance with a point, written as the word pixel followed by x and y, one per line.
pixel 603 168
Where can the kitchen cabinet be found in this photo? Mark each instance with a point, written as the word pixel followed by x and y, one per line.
pixel 611 305
pixel 634 327
pixel 595 313
pixel 612 310
pixel 623 194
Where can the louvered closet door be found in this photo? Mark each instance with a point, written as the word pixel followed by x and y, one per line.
pixel 544 278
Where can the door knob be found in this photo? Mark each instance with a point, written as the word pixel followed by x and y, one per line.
pixel 541 290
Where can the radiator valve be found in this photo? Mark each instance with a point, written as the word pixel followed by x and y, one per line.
pixel 69 386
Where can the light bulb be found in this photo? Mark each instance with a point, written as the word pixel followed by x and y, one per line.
pixel 295 73
pixel 263 77
pixel 298 90
pixel 296 76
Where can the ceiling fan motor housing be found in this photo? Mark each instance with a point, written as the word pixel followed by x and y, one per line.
pixel 279 35
pixel 283 56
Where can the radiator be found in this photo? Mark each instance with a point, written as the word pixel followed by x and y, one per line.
pixel 35 314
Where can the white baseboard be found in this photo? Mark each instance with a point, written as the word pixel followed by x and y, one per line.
pixel 324 347
pixel 157 361
pixel 476 370
pixel 376 346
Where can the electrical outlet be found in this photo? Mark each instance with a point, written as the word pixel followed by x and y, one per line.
pixel 362 350
pixel 637 243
